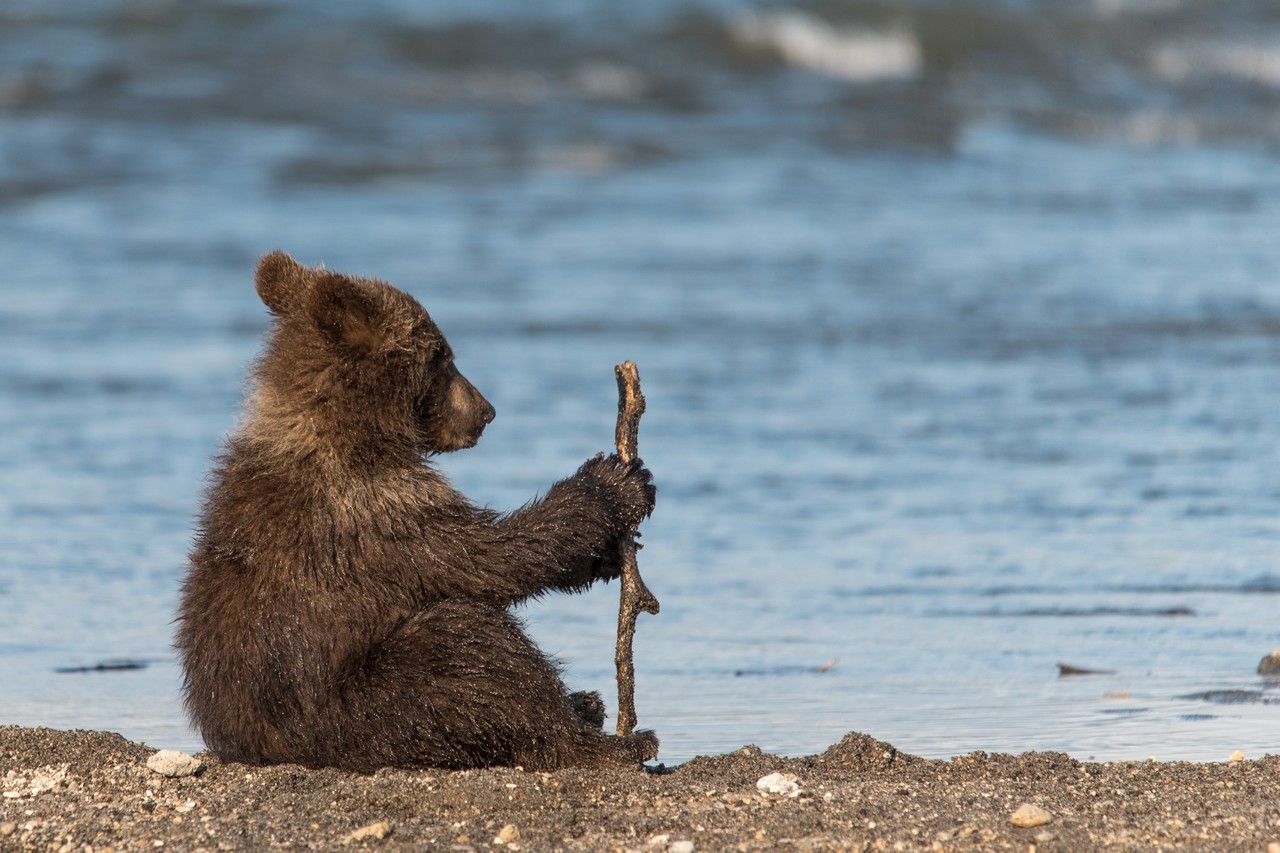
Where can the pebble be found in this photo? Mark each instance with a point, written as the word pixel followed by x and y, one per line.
pixel 779 785
pixel 45 779
pixel 8 827
pixel 378 830
pixel 174 764
pixel 1270 665
pixel 1237 756
pixel 680 847
pixel 507 834
pixel 1028 815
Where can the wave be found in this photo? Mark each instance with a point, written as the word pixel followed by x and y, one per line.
pixel 387 94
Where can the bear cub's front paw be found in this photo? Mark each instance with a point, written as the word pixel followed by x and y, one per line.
pixel 630 484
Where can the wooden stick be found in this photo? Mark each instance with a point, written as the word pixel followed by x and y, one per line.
pixel 635 596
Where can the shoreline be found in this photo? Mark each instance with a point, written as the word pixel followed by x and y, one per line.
pixel 74 790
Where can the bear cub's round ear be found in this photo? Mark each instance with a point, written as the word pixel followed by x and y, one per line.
pixel 348 313
pixel 280 281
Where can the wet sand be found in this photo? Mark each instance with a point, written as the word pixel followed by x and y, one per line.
pixel 76 790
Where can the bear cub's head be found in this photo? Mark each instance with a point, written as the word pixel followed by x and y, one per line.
pixel 362 363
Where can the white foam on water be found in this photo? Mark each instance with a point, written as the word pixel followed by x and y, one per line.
pixel 1249 62
pixel 1114 8
pixel 849 53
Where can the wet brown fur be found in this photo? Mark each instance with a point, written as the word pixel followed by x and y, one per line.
pixel 345 606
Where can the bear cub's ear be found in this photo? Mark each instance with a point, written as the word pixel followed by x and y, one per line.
pixel 280 281
pixel 348 314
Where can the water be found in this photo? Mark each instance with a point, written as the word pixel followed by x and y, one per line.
pixel 958 325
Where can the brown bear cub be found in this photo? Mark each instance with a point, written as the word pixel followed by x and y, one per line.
pixel 345 606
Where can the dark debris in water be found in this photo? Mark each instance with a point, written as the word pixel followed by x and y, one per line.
pixel 123 665
pixel 1105 611
pixel 1233 697
pixel 1260 584
pixel 1066 669
pixel 1074 612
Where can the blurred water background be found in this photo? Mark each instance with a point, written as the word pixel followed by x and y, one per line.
pixel 959 325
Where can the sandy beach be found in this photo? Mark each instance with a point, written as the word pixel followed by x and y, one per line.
pixel 82 790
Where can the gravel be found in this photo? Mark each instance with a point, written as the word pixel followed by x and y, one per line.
pixel 68 791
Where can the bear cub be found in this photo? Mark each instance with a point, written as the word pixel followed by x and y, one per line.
pixel 344 605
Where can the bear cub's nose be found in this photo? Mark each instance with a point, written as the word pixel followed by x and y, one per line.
pixel 487 413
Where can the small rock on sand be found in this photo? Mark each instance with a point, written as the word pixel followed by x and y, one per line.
pixel 174 764
pixel 1270 665
pixel 48 778
pixel 507 834
pixel 1028 815
pixel 779 785
pixel 680 847
pixel 378 830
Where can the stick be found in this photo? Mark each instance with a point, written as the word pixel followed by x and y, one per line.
pixel 635 595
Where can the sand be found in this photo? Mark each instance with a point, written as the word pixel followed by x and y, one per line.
pixel 77 790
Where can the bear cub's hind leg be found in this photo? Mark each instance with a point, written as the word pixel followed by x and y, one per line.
pixel 485 696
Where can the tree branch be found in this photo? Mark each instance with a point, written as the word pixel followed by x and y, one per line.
pixel 635 596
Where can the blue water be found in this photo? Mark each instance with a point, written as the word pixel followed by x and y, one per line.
pixel 958 324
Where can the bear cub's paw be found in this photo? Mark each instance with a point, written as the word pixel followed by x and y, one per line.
pixel 629 485
pixel 589 707
pixel 641 746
